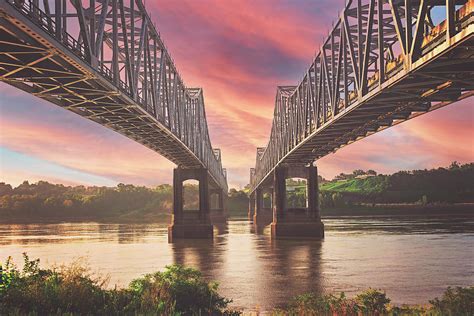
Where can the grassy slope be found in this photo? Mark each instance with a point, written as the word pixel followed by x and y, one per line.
pixel 368 185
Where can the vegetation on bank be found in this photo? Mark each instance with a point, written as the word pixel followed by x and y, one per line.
pixel 458 301
pixel 73 290
pixel 237 202
pixel 441 185
pixel 364 189
pixel 356 192
pixel 45 201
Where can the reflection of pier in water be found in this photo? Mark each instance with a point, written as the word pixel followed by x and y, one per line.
pixel 292 265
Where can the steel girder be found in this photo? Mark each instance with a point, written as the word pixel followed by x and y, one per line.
pixel 384 62
pixel 104 60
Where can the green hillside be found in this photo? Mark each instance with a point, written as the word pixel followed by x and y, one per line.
pixel 369 185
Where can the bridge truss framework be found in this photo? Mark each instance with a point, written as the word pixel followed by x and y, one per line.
pixel 105 60
pixel 372 72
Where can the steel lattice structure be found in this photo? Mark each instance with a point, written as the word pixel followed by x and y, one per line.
pixel 384 62
pixel 105 60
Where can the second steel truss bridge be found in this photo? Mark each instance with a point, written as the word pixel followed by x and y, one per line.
pixel 384 62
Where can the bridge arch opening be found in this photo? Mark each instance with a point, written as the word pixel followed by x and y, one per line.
pixel 214 200
pixel 296 193
pixel 267 202
pixel 191 195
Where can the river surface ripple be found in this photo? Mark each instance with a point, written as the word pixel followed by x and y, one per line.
pixel 412 258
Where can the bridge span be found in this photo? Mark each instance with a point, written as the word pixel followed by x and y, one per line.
pixel 105 60
pixel 384 62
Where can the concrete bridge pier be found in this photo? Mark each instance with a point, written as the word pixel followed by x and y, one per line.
pixel 263 215
pixel 217 211
pixel 251 211
pixel 190 223
pixel 296 222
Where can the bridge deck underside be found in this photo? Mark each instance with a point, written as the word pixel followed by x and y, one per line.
pixel 34 62
pixel 441 78
pixel 401 100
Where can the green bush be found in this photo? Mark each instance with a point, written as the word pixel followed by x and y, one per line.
pixel 458 301
pixel 372 302
pixel 73 290
pixel 183 286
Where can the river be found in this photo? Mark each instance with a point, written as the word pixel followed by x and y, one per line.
pixel 412 258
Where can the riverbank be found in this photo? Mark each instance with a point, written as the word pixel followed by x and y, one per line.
pixel 74 290
pixel 160 218
pixel 400 209
pixel 393 209
pixel 386 210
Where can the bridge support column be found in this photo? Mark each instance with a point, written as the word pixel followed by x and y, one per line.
pixel 296 222
pixel 190 223
pixel 251 206
pixel 258 203
pixel 218 213
pixel 263 216
pixel 313 193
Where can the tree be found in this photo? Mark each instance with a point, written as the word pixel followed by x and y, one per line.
pixel 5 189
pixel 358 172
pixel 372 172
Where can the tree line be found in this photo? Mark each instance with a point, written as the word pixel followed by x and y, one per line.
pixel 43 200
pixel 453 184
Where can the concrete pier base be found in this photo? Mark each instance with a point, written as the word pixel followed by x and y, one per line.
pixel 302 222
pixel 218 216
pixel 190 224
pixel 190 231
pixel 250 216
pixel 263 217
pixel 306 230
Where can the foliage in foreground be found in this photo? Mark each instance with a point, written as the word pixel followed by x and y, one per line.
pixel 455 302
pixel 74 290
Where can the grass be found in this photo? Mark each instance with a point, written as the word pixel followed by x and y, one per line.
pixel 365 186
pixel 73 290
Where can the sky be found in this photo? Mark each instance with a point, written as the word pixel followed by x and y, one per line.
pixel 238 52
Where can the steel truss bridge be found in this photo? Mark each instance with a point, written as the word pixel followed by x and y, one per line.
pixel 105 60
pixel 384 62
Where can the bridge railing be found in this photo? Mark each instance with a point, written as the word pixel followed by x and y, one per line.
pixel 359 56
pixel 117 38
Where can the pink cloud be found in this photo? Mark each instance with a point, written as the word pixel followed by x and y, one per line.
pixel 432 140
pixel 85 149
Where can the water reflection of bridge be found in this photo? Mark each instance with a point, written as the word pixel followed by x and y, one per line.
pixel 275 267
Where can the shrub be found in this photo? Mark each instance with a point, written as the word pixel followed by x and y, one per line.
pixel 372 302
pixel 73 290
pixel 184 286
pixel 458 301
pixel 311 304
